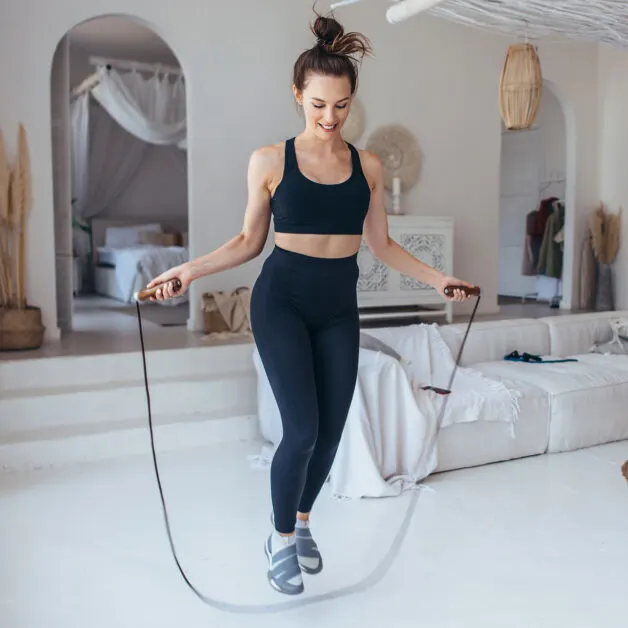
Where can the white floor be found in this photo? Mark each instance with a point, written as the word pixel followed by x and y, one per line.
pixel 532 543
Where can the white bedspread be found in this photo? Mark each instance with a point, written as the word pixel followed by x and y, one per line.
pixel 389 442
pixel 151 261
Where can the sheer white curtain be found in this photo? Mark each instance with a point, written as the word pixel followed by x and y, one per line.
pixel 152 109
pixel 115 156
pixel 105 152
pixel 105 159
pixel 79 111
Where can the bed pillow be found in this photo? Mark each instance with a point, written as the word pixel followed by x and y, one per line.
pixel 121 237
pixel 160 239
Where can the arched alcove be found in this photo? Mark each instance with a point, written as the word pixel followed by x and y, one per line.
pixel 537 164
pixel 120 174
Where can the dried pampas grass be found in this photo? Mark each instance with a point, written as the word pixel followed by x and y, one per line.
pixel 605 228
pixel 15 205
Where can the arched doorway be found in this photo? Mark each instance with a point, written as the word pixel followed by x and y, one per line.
pixel 119 140
pixel 536 179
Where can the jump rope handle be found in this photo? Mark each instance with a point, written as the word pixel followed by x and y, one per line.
pixel 475 291
pixel 472 292
pixel 147 293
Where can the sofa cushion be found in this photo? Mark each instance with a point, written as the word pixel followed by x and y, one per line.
pixel 492 340
pixel 588 398
pixel 572 334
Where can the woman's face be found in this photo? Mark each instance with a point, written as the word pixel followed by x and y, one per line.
pixel 326 101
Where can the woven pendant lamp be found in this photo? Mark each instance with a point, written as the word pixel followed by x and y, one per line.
pixel 520 87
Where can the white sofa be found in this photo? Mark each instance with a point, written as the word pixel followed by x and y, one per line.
pixel 562 406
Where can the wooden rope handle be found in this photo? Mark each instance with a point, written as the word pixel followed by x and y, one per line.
pixel 147 293
pixel 472 292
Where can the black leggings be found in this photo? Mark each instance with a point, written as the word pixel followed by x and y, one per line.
pixel 304 317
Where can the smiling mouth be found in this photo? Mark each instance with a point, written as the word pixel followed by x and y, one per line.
pixel 327 127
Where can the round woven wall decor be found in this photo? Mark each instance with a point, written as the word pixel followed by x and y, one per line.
pixel 520 87
pixel 353 127
pixel 399 153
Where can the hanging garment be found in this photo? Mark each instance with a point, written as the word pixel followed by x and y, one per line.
pixel 545 210
pixel 536 221
pixel 551 255
pixel 532 245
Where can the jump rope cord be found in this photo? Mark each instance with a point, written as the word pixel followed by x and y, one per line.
pixel 375 576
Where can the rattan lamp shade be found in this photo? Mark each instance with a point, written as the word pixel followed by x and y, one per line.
pixel 520 87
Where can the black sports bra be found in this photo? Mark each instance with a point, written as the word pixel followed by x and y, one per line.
pixel 300 205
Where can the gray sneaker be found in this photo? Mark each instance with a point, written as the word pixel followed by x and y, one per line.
pixel 284 573
pixel 310 559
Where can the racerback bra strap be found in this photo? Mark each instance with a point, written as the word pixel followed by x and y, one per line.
pixel 290 156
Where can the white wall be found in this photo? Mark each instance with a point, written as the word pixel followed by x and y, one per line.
pixel 551 122
pixel 438 78
pixel 613 153
pixel 160 186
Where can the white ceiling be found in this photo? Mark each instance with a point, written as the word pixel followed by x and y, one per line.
pixel 600 21
pixel 121 37
pixel 603 21
pixel 595 21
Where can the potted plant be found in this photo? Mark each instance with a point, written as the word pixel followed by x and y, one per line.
pixel 20 323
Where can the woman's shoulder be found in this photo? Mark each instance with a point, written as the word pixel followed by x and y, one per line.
pixel 370 161
pixel 268 157
pixel 371 166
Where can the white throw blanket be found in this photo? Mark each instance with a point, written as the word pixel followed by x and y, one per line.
pixel 430 362
pixel 389 442
pixel 151 261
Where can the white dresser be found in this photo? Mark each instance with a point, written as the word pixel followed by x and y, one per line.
pixel 385 293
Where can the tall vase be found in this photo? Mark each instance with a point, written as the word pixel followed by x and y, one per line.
pixel 604 293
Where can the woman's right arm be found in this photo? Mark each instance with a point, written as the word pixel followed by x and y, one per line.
pixel 245 246
pixel 250 242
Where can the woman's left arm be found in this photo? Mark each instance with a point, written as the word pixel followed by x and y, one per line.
pixel 390 252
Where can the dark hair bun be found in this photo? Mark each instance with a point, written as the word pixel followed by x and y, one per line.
pixel 334 54
pixel 331 36
pixel 327 30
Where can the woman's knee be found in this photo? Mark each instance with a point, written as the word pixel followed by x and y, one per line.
pixel 299 443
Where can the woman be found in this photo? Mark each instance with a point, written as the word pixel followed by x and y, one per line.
pixel 322 194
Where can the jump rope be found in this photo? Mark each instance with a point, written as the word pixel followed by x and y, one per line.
pixel 382 568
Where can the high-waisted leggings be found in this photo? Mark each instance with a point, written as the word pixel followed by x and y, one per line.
pixel 304 317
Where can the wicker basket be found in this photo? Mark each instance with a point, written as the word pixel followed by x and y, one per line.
pixel 21 329
pixel 520 87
